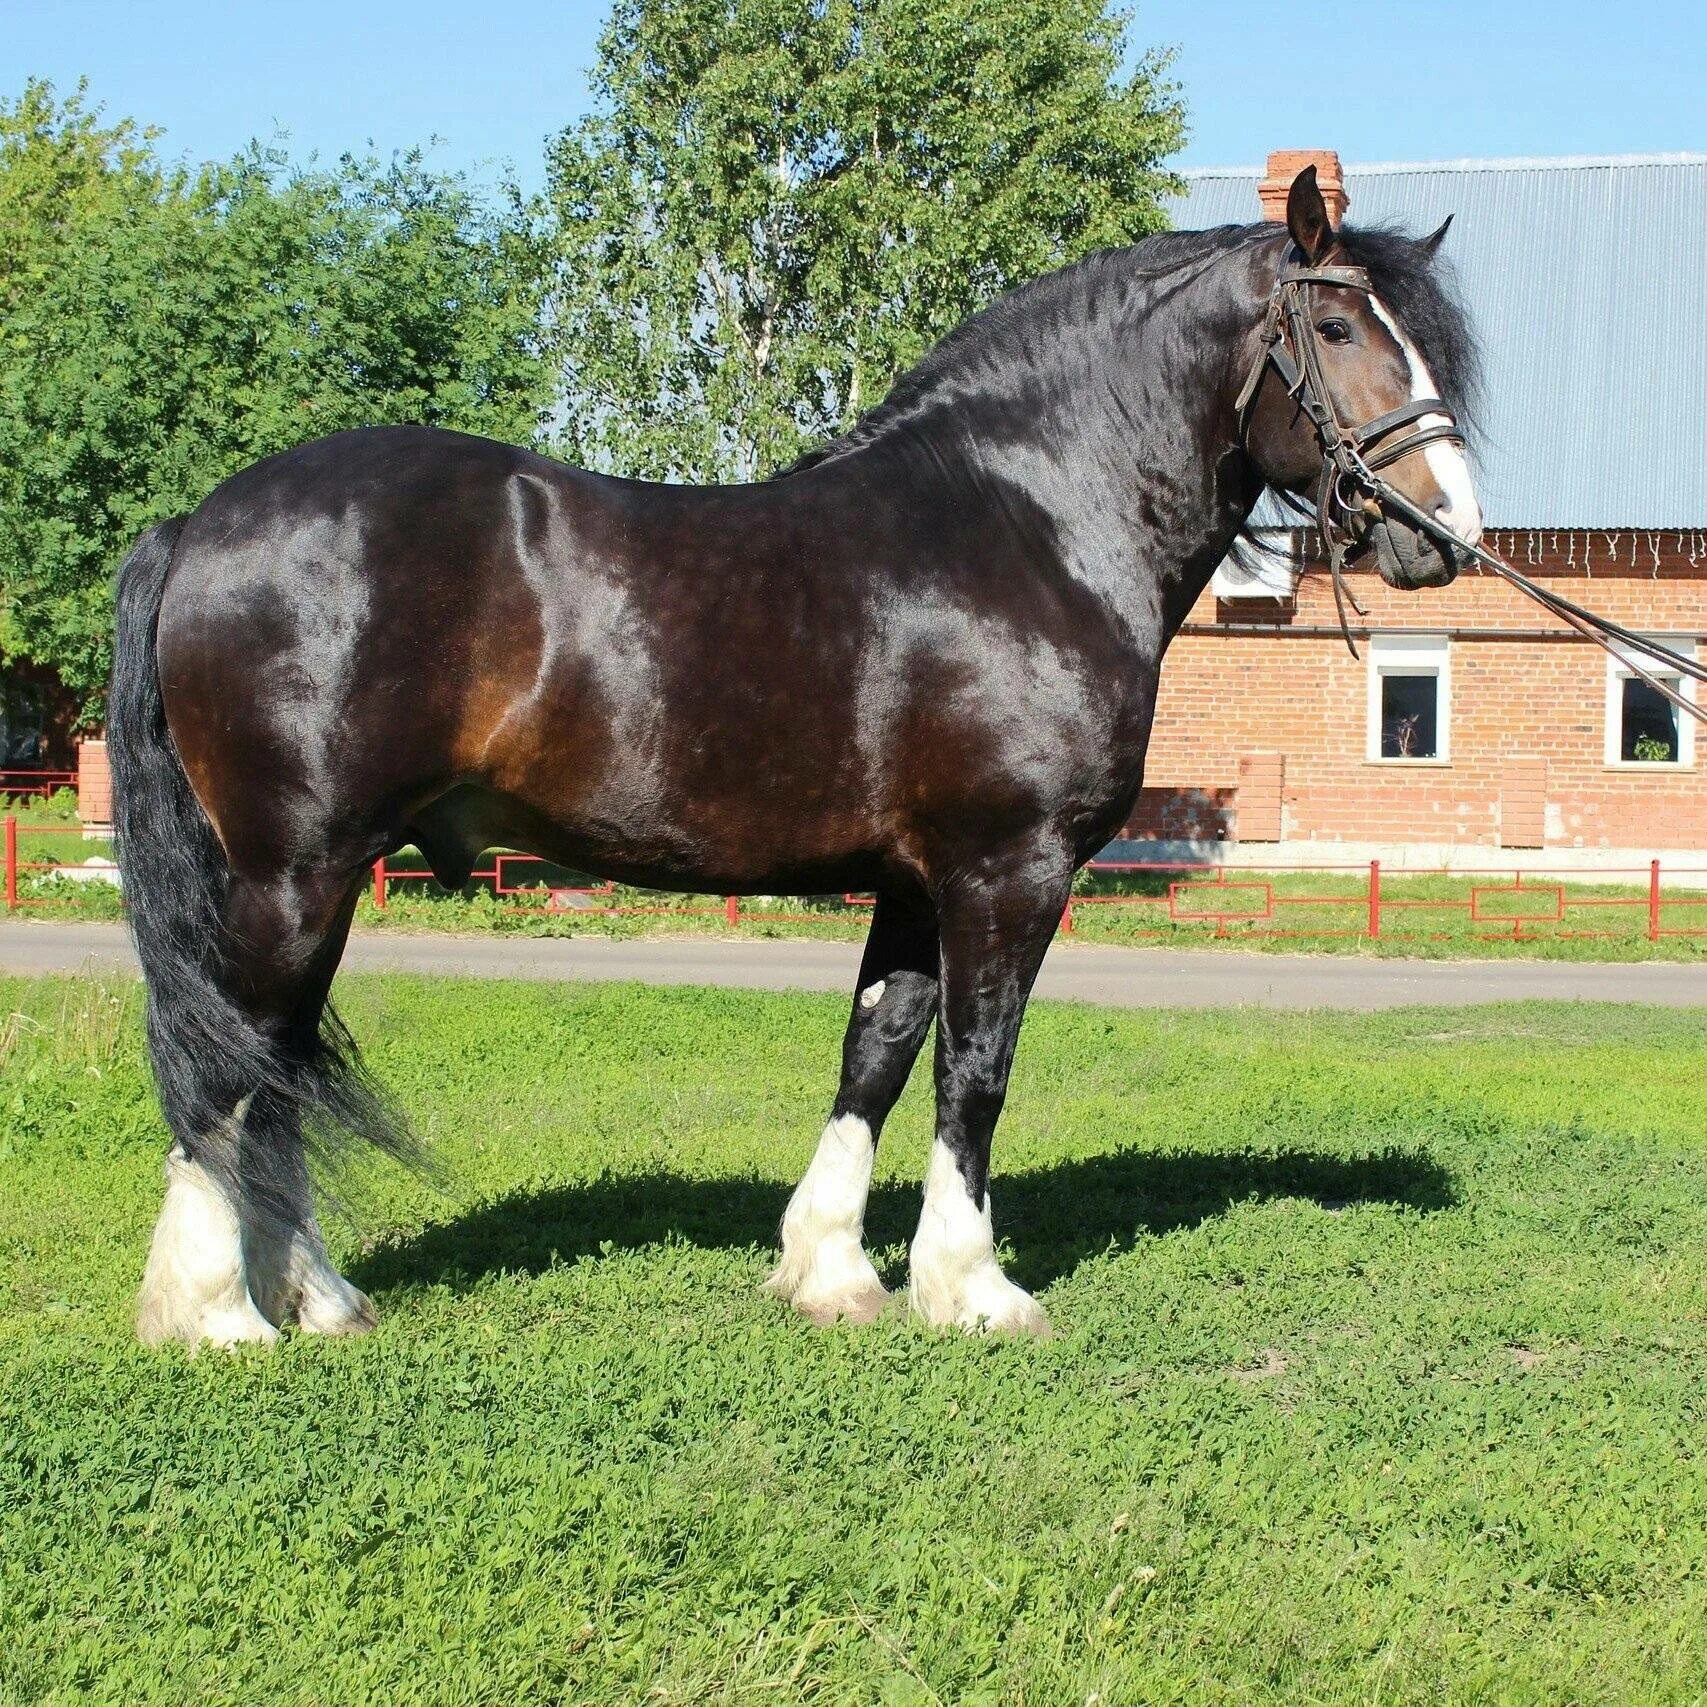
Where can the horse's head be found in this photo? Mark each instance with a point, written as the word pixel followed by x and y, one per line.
pixel 1343 387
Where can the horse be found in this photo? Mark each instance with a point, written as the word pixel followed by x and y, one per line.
pixel 920 662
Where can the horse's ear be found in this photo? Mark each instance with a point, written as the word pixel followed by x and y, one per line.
pixel 1430 245
pixel 1307 218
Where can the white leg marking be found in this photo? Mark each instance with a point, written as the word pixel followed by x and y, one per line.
pixel 824 1271
pixel 1446 462
pixel 955 1276
pixel 294 1278
pixel 194 1287
pixel 872 994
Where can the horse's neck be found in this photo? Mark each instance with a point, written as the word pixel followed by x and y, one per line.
pixel 1128 448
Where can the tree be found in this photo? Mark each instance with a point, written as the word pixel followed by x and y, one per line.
pixel 777 205
pixel 59 165
pixel 165 328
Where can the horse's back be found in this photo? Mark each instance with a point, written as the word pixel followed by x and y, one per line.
pixel 402 633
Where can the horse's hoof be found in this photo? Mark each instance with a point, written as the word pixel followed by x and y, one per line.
pixel 828 1280
pixel 855 1304
pixel 989 1303
pixel 161 1317
pixel 1025 1319
pixel 346 1314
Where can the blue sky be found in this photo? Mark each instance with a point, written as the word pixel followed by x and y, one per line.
pixel 1378 79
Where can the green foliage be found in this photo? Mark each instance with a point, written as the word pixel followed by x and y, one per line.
pixel 1650 749
pixel 1378 1374
pixel 60 166
pixel 166 328
pixel 777 205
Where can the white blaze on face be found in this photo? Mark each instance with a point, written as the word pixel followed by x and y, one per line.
pixel 1446 461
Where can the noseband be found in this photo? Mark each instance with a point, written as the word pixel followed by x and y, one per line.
pixel 1351 497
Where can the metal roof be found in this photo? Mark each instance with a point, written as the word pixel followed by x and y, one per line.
pixel 1586 277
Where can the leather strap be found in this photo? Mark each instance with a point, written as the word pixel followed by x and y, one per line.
pixel 1351 456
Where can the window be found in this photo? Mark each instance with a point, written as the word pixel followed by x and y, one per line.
pixel 1643 727
pixel 1410 699
pixel 22 719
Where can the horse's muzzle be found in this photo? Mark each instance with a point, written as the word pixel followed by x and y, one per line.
pixel 1408 558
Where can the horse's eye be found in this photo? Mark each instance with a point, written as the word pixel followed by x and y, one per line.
pixel 1335 332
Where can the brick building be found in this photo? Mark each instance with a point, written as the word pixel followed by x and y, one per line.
pixel 1474 720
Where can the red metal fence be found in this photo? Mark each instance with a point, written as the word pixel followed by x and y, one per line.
pixel 1655 900
pixel 34 785
pixel 1494 896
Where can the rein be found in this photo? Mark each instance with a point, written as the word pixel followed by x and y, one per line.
pixel 1353 494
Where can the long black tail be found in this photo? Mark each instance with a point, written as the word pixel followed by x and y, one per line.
pixel 210 1055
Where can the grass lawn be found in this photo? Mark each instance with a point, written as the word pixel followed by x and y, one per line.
pixel 1380 1373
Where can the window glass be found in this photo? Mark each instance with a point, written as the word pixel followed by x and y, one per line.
pixel 22 717
pixel 1648 728
pixel 1410 716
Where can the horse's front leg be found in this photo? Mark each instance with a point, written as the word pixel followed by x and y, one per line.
pixel 996 923
pixel 824 1271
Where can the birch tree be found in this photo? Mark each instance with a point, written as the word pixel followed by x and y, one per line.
pixel 775 206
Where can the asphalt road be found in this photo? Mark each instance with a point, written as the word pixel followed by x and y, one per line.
pixel 1116 977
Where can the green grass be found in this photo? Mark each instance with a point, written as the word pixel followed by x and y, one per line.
pixel 48 833
pixel 1380 1373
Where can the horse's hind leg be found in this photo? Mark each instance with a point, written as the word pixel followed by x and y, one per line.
pixel 824 1271
pixel 237 1250
pixel 292 1278
pixel 195 1287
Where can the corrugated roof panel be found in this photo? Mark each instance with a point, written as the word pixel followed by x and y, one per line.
pixel 1587 282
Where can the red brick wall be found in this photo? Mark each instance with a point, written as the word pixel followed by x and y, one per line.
pixel 1227 697
pixel 94 783
pixel 1183 814
pixel 1523 803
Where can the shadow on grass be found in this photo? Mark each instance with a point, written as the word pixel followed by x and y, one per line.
pixel 1054 1218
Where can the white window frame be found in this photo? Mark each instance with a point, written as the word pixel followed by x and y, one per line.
pixel 1618 671
pixel 1409 655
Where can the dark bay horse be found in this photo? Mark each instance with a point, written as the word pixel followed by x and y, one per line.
pixel 922 662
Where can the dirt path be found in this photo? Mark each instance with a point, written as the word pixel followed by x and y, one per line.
pixel 1118 977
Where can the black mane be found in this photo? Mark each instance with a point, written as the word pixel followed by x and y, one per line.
pixel 1419 287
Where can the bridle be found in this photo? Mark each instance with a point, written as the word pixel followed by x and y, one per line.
pixel 1350 493
pixel 1353 500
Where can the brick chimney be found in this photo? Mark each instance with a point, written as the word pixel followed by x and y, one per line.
pixel 1284 164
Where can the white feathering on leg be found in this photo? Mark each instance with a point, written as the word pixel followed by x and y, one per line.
pixel 194 1288
pixel 293 1278
pixel 824 1271
pixel 955 1278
